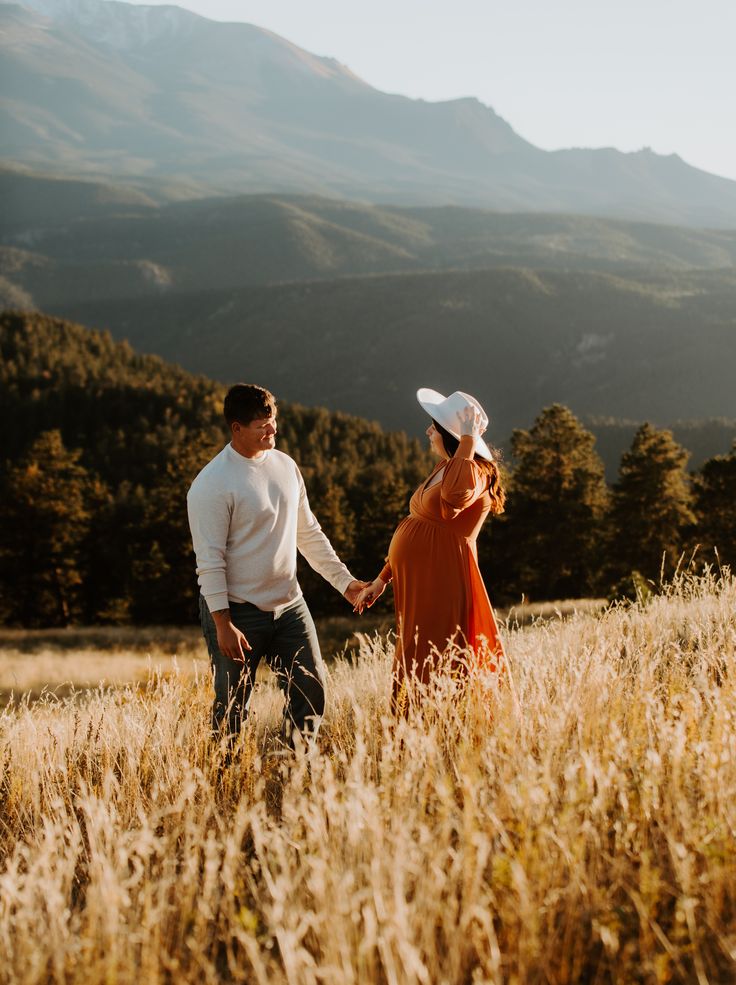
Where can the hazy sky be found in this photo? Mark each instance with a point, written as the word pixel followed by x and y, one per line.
pixel 563 73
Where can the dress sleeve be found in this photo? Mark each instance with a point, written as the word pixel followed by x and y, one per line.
pixel 386 574
pixel 463 482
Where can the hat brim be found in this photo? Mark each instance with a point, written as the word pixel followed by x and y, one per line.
pixel 435 404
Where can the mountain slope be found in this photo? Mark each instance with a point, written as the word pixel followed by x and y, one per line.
pixel 661 347
pixel 30 201
pixel 100 88
pixel 65 241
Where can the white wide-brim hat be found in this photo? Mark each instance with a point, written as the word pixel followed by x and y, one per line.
pixel 447 410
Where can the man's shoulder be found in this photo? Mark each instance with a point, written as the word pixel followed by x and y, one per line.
pixel 283 471
pixel 280 460
pixel 212 472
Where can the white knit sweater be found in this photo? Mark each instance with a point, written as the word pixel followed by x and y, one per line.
pixel 248 516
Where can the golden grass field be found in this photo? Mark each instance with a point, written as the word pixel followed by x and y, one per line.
pixel 586 833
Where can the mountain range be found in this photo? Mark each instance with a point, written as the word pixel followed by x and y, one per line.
pixel 70 241
pixel 189 107
pixel 374 357
pixel 521 339
pixel 352 306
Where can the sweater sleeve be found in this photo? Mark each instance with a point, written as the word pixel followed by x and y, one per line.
pixel 463 481
pixel 316 548
pixel 209 513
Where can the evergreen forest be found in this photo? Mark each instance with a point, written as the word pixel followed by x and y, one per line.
pixel 100 445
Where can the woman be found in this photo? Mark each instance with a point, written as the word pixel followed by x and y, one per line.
pixel 440 599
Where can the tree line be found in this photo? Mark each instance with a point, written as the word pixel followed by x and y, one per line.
pixel 100 445
pixel 567 533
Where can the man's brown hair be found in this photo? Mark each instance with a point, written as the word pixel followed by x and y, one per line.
pixel 246 402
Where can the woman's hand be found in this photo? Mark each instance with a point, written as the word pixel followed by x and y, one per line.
pixel 473 421
pixel 354 589
pixel 369 595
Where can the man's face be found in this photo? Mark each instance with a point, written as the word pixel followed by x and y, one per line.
pixel 258 436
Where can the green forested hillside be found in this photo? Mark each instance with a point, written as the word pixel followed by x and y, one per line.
pixel 33 201
pixel 658 347
pixel 68 241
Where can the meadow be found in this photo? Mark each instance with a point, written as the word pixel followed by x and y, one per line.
pixel 576 823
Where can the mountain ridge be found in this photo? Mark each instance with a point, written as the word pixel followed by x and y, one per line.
pixel 61 239
pixel 231 108
pixel 520 339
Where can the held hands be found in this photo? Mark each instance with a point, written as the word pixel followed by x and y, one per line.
pixel 372 591
pixel 353 590
pixel 233 643
pixel 473 421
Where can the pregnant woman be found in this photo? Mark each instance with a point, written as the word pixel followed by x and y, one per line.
pixel 440 599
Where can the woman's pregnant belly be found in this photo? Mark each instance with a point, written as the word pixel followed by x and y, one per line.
pixel 423 547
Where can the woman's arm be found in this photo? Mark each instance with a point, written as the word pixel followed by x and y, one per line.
pixel 464 480
pixel 370 594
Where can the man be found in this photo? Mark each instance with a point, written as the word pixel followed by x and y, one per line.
pixel 248 514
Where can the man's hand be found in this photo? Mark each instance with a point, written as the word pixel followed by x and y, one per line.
pixel 372 591
pixel 231 641
pixel 353 590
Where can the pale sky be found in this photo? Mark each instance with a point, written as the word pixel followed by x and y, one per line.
pixel 564 73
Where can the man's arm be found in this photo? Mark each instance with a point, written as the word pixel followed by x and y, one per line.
pixel 319 552
pixel 209 521
pixel 231 641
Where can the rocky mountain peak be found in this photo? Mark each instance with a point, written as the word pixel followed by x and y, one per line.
pixel 118 25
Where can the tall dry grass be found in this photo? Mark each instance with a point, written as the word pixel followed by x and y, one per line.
pixel 590 838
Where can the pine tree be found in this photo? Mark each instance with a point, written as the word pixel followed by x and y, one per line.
pixel 111 547
pixel 328 501
pixel 715 508
pixel 162 565
pixel 384 499
pixel 651 509
pixel 557 498
pixel 45 520
pixel 337 519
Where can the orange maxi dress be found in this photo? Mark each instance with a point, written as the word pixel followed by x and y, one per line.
pixel 439 595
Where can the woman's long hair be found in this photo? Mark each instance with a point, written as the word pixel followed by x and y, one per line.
pixel 495 488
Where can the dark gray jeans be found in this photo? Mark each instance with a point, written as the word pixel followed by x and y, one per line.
pixel 289 644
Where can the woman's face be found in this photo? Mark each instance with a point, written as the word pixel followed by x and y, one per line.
pixel 435 442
